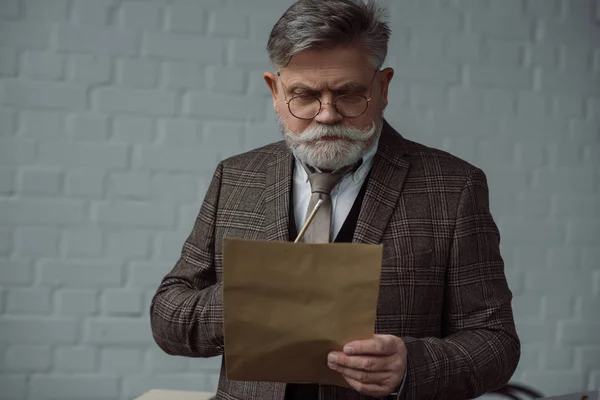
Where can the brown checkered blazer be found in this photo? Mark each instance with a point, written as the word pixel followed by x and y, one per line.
pixel 443 287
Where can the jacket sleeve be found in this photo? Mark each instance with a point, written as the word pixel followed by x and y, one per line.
pixel 186 312
pixel 479 349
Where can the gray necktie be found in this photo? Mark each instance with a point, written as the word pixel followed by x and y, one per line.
pixel 321 184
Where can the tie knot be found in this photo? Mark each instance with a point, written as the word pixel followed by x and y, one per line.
pixel 324 182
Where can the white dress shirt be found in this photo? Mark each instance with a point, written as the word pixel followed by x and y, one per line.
pixel 343 194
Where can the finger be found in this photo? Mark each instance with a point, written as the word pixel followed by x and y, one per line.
pixel 377 378
pixel 380 345
pixel 363 363
pixel 367 389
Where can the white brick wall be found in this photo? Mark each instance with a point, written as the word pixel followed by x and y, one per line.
pixel 114 113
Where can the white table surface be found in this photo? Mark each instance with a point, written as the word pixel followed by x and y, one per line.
pixel 158 394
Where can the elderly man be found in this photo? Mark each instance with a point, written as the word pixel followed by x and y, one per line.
pixel 444 326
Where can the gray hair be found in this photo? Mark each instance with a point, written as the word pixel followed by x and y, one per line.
pixel 322 24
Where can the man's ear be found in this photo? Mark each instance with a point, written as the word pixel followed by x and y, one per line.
pixel 271 80
pixel 385 78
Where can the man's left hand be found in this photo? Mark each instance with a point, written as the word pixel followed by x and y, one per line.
pixel 373 367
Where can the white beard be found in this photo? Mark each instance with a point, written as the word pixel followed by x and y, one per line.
pixel 331 154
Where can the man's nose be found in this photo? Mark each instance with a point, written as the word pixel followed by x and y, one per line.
pixel 329 114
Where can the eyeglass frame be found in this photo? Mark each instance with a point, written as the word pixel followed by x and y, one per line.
pixel 334 103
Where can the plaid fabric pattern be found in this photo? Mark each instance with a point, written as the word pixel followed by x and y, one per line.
pixel 443 287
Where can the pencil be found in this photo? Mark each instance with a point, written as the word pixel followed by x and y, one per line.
pixel 309 220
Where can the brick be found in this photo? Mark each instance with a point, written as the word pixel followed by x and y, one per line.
pixel 189 212
pixel 74 386
pixel 84 183
pixel 8 122
pixel 140 15
pixel 75 360
pixel 28 358
pixel 40 124
pixel 583 131
pixel 131 185
pixel 133 129
pixel 464 99
pixel 81 273
pixel 577 59
pixel 33 211
pixel 129 244
pixel 222 106
pixel 425 96
pixel 588 308
pixel 563 257
pixel 146 275
pixel 134 213
pixel 159 361
pixel 174 188
pixel 137 73
pixel 43 183
pixel 586 232
pixel 503 52
pixel 37 241
pixel 97 41
pixel 186 17
pixel 532 104
pixel 169 245
pixel 571 205
pixel 88 127
pixel 86 155
pixel 555 381
pixel 121 361
pixel 134 101
pixel 226 80
pixel 495 151
pixel 185 47
pixel 528 256
pixel 228 23
pixel 120 331
pixel 83 243
pixel 569 83
pixel 557 306
pixel 574 180
pixel 36 330
pixel 544 8
pixel 532 204
pixel 6 241
pixel 10 10
pixel 591 255
pixel 579 333
pixel 44 65
pixel 7 181
pixel 262 23
pixel 536 333
pixel 122 303
pixel 500 77
pixel 568 32
pixel 251 53
pixel 14 386
pixel 53 95
pixel 527 306
pixel 92 13
pixel 430 18
pixel 509 26
pixel 557 359
pixel 180 131
pixel 47 10
pixel 225 136
pixel 76 302
pixel 587 357
pixel 530 156
pixel 31 35
pixel 567 282
pixel 8 61
pixel 499 102
pixel 35 301
pixel 14 272
pixel 184 75
pixel 173 159
pixel 560 155
pixel 463 47
pixel 591 154
pixel 534 230
pixel 88 68
pixel 542 54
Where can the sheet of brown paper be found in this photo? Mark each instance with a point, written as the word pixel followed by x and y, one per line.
pixel 287 305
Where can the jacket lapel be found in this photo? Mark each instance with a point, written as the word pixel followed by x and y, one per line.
pixel 278 187
pixel 389 170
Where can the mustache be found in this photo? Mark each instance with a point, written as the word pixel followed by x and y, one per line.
pixel 334 131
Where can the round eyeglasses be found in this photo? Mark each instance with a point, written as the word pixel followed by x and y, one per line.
pixel 347 105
